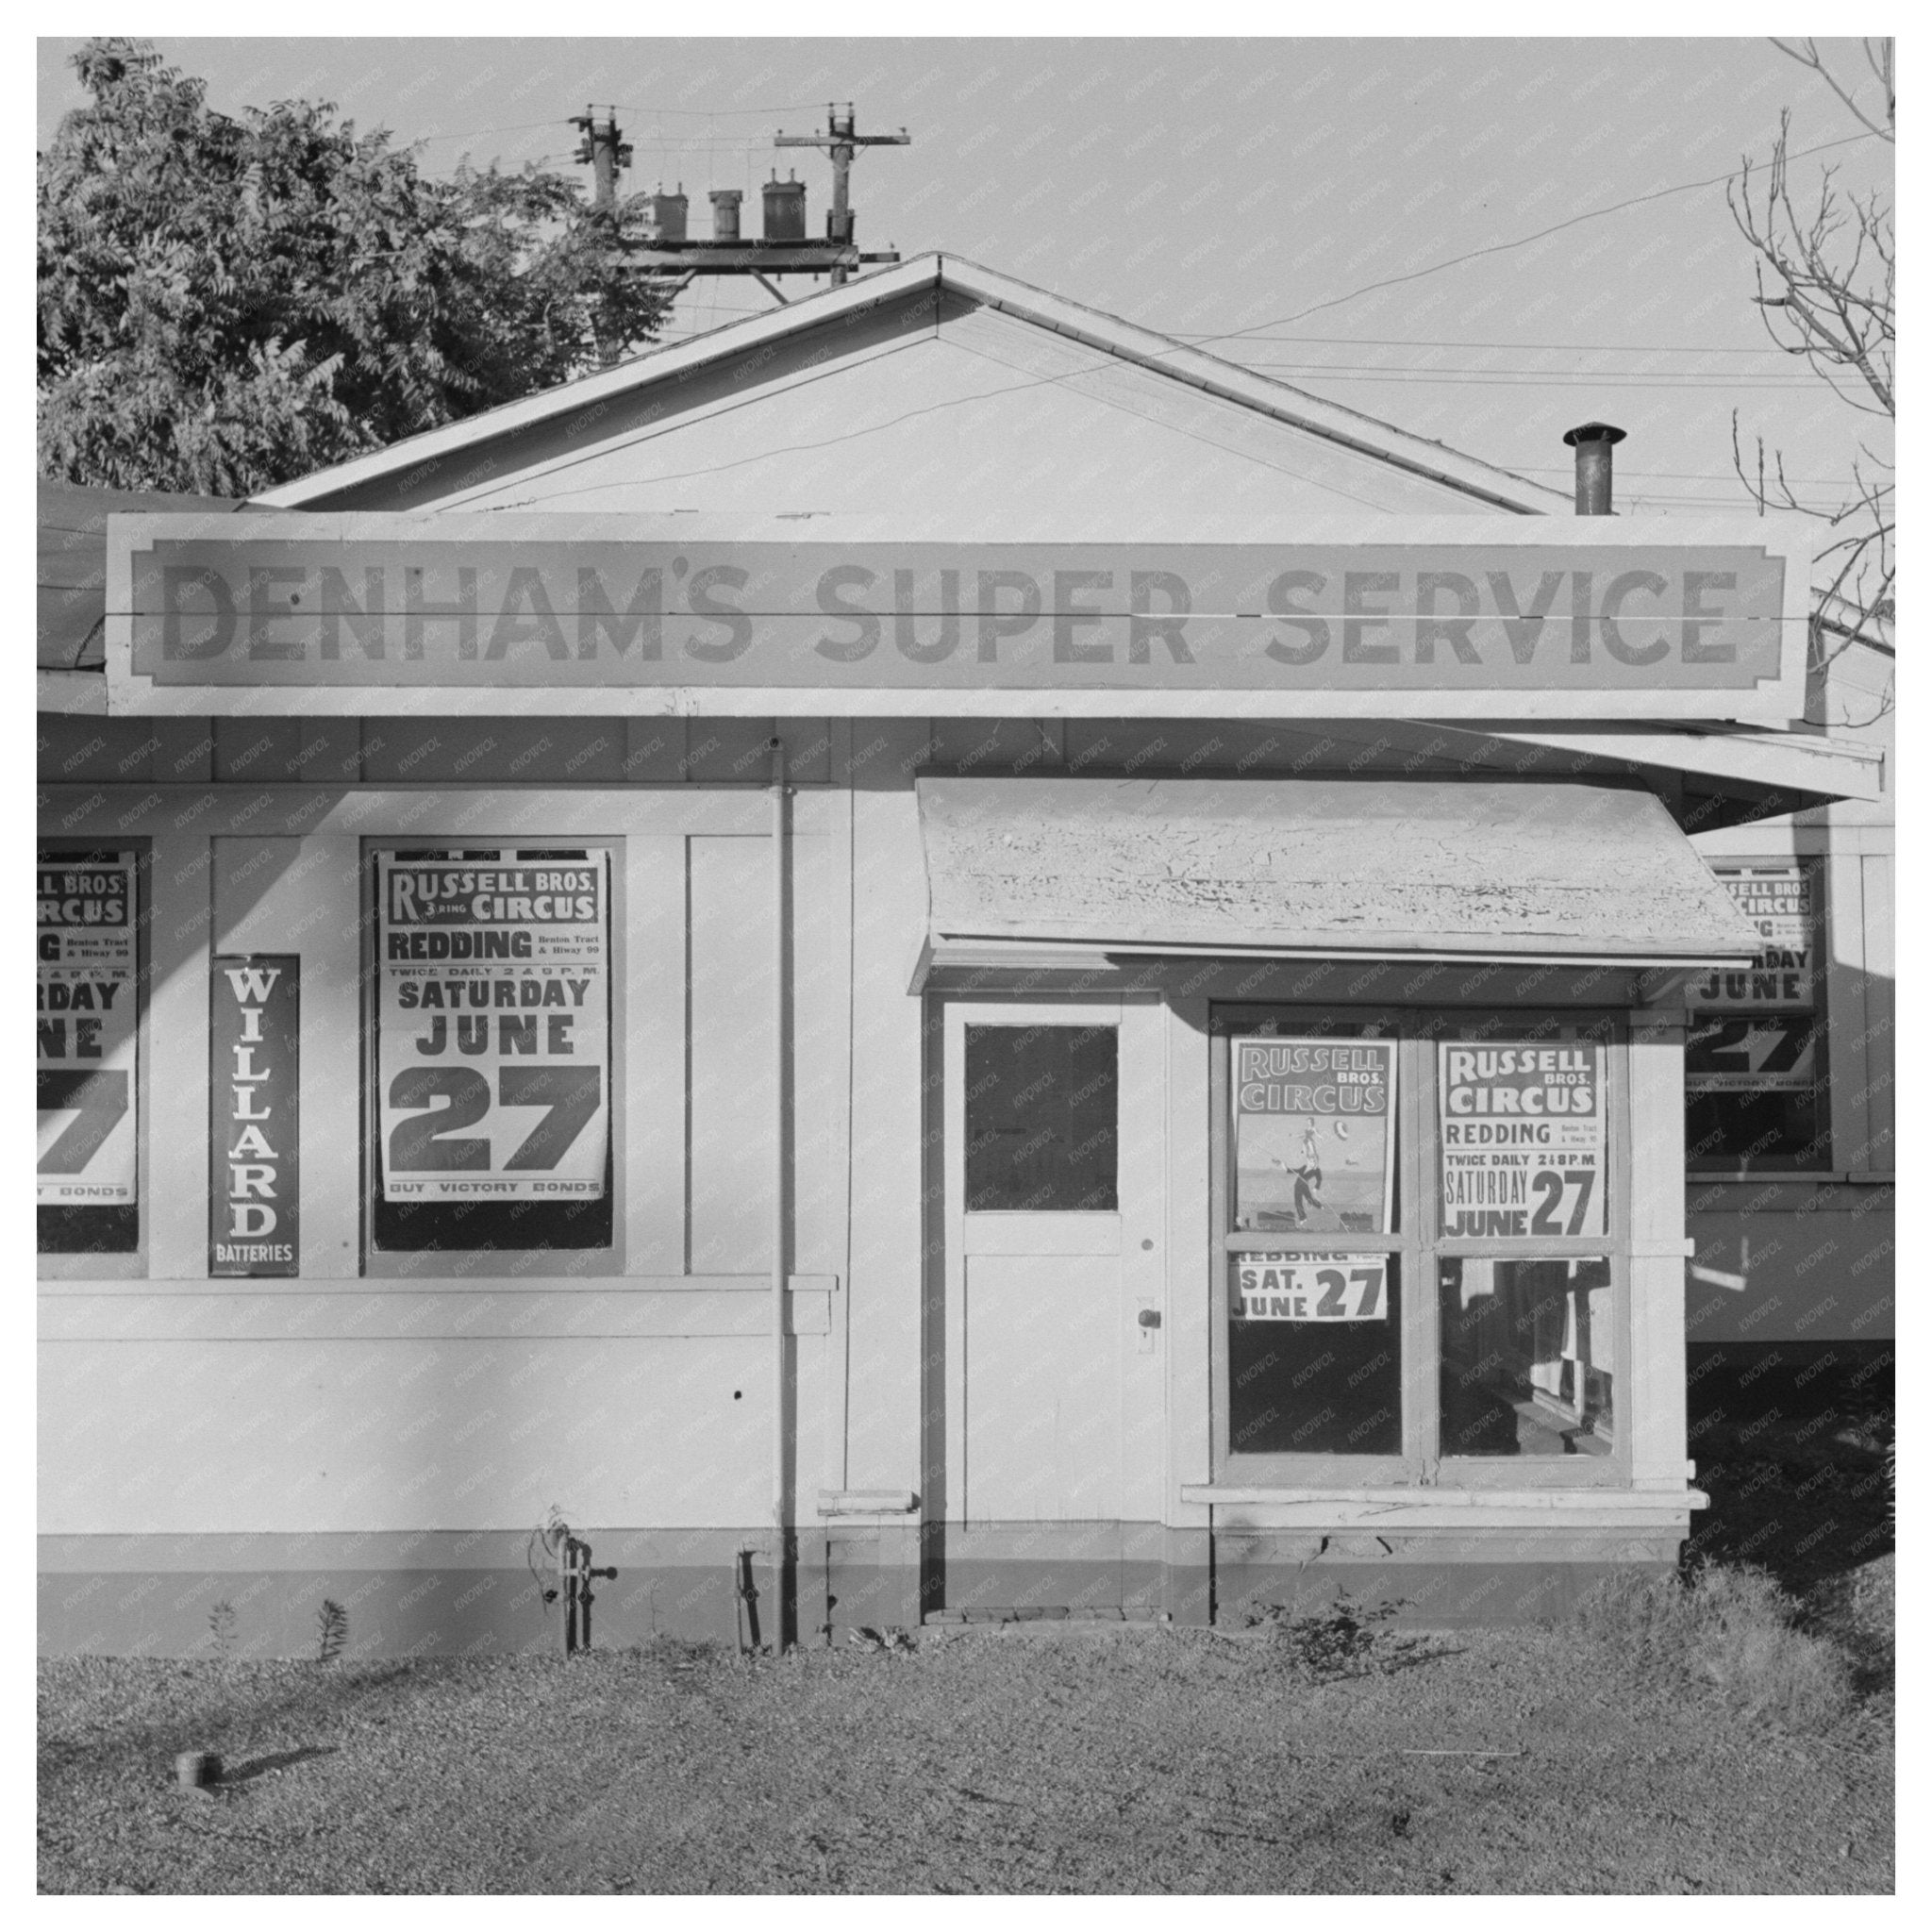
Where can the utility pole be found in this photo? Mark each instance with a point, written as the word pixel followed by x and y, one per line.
pixel 607 153
pixel 842 142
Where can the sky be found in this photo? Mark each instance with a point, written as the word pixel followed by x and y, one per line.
pixel 1287 203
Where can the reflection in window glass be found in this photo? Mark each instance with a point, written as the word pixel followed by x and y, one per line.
pixel 1314 1354
pixel 1042 1112
pixel 1528 1358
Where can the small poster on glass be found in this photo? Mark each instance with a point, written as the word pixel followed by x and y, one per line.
pixel 1314 1135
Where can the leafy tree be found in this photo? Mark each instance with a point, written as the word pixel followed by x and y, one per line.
pixel 1825 269
pixel 226 304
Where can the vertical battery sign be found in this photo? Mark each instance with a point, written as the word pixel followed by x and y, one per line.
pixel 87 1036
pixel 1523 1140
pixel 254 1080
pixel 493 1025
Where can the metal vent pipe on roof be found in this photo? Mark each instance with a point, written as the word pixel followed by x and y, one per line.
pixel 724 203
pixel 1593 443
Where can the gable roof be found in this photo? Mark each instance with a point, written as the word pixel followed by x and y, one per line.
pixel 664 383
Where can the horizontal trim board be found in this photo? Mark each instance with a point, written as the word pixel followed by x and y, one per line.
pixel 1228 1494
pixel 406 1314
pixel 428 813
pixel 910 701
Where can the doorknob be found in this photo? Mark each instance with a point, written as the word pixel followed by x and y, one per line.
pixel 1148 1242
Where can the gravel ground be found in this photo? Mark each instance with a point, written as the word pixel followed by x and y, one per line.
pixel 1048 1760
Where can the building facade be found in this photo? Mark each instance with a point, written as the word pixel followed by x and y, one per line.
pixel 933 958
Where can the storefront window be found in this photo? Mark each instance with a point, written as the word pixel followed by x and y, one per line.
pixel 1042 1112
pixel 1528 1357
pixel 87 1070
pixel 1335 1238
pixel 1754 1071
pixel 492 1049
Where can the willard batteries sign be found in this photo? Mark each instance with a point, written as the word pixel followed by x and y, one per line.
pixel 493 1027
pixel 88 1032
pixel 1473 616
pixel 1524 1140
pixel 255 1088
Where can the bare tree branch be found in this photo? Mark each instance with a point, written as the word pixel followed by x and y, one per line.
pixel 1824 272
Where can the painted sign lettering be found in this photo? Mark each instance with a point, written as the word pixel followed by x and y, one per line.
pixel 255 1088
pixel 405 601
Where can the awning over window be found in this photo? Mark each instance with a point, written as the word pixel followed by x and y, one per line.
pixel 1316 868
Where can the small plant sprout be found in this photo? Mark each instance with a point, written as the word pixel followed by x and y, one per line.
pixel 221 1629
pixel 331 1630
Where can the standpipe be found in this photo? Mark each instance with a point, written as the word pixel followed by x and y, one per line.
pixel 780 857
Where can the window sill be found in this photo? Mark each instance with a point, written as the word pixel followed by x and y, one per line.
pixel 1815 1176
pixel 1416 1497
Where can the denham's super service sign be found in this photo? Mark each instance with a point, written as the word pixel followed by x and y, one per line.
pixel 1473 617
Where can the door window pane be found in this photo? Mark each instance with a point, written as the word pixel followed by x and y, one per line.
pixel 1314 1354
pixel 1042 1112
pixel 1528 1358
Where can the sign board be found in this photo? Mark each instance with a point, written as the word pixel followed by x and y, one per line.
pixel 1311 1288
pixel 1314 1134
pixel 254 1097
pixel 1524 1140
pixel 1484 616
pixel 88 1032
pixel 493 1027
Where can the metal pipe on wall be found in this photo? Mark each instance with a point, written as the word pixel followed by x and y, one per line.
pixel 780 870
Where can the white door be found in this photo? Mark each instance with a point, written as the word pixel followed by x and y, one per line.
pixel 1055 1162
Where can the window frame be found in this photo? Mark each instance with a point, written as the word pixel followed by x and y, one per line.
pixel 1417 1245
pixel 1816 1160
pixel 493 1261
pixel 124 1264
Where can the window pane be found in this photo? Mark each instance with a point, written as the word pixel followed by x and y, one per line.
pixel 1754 1071
pixel 1314 1135
pixel 1314 1354
pixel 1528 1358
pixel 1043 1110
pixel 1525 1145
pixel 87 1069
pixel 1753 1090
pixel 491 1050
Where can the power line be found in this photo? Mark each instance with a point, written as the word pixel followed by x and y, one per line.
pixel 783 107
pixel 478 133
pixel 1521 241
pixel 1559 348
pixel 1532 378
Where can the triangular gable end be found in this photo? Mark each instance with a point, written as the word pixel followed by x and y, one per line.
pixel 945 397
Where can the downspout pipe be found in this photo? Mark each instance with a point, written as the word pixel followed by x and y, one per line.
pixel 781 880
